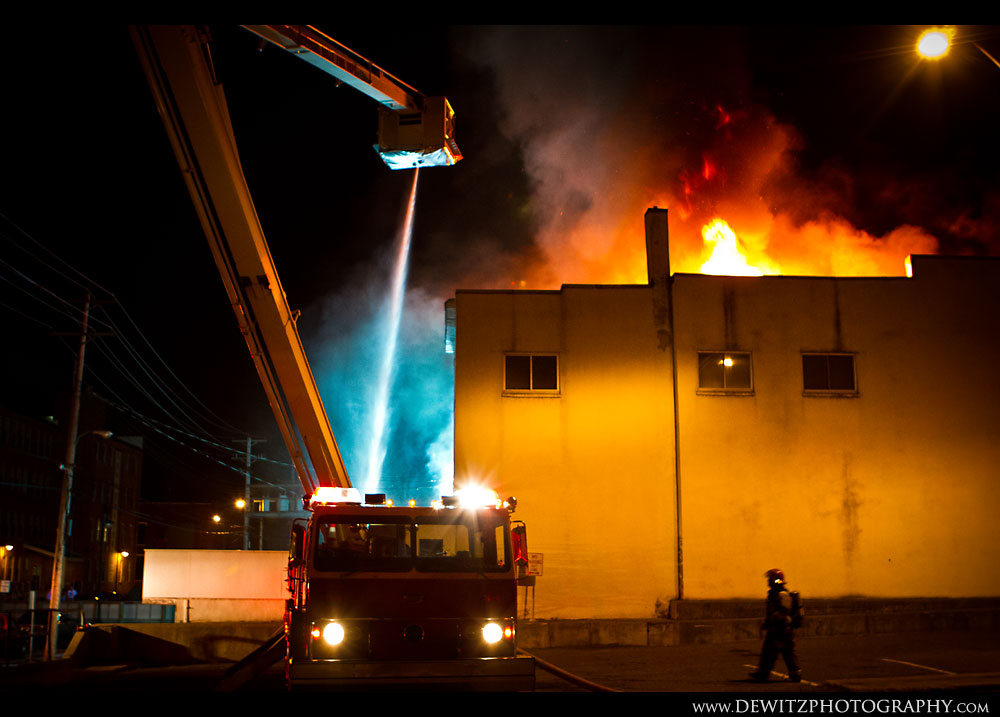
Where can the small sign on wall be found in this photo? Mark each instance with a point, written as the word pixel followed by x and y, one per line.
pixel 535 563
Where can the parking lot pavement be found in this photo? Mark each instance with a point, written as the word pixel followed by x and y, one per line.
pixel 910 662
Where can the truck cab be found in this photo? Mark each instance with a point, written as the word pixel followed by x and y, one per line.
pixel 404 595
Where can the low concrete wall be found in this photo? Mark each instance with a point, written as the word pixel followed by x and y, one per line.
pixel 696 622
pixel 713 621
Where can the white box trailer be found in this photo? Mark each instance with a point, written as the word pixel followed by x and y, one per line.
pixel 217 585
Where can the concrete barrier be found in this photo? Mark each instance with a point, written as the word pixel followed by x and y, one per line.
pixel 686 622
pixel 692 622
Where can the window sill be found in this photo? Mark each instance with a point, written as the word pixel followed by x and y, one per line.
pixel 531 394
pixel 831 394
pixel 725 392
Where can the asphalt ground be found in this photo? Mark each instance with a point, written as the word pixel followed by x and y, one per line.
pixel 912 663
pixel 907 662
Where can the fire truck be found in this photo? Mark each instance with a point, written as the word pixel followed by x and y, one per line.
pixel 380 594
pixel 405 595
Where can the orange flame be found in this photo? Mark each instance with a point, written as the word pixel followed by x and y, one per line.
pixel 746 171
pixel 727 256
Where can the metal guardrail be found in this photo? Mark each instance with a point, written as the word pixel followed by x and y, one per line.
pixel 96 611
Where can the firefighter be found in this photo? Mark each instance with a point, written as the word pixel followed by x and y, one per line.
pixel 782 615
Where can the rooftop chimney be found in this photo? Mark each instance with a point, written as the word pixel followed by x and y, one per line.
pixel 658 270
pixel 657 247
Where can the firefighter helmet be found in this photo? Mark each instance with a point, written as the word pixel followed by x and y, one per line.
pixel 775 576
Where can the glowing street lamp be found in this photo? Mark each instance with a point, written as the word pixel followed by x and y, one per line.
pixel 935 42
pixel 118 573
pixel 4 555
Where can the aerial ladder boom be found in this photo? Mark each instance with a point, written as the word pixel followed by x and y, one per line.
pixel 414 130
pixel 194 111
pixel 322 51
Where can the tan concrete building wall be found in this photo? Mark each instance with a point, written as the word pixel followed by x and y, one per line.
pixel 591 466
pixel 893 492
pixel 890 492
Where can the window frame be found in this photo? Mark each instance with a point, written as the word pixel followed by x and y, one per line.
pixel 532 391
pixel 724 390
pixel 831 392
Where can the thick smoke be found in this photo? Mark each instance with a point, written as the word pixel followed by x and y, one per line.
pixel 594 126
pixel 612 122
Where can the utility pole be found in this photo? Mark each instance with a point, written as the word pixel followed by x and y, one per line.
pixel 246 491
pixel 66 493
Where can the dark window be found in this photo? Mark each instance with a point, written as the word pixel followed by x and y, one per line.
pixel 724 371
pixel 531 373
pixel 828 372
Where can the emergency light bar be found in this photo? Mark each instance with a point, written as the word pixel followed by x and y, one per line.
pixel 327 495
pixel 476 497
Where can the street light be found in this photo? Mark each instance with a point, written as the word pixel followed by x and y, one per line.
pixel 4 551
pixel 59 556
pixel 118 573
pixel 934 43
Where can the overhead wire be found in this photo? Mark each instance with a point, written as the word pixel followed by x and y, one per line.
pixel 148 383
pixel 110 323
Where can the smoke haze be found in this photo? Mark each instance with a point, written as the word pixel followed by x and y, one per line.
pixel 572 133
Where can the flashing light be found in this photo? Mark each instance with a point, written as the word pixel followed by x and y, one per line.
pixel 333 633
pixel 492 633
pixel 437 504
pixel 240 503
pixel 330 494
pixel 477 497
pixel 412 503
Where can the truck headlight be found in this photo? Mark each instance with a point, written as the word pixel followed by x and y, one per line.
pixel 333 633
pixel 492 632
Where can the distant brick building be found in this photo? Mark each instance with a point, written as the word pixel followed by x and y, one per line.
pixel 106 483
pixel 680 438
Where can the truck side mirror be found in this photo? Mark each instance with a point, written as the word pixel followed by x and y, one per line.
pixel 519 538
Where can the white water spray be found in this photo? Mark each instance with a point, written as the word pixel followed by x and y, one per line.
pixel 380 409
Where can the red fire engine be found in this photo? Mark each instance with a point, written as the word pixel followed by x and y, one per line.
pixel 406 595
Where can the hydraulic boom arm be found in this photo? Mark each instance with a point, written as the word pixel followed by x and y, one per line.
pixel 414 131
pixel 193 109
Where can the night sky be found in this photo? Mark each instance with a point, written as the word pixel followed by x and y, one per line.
pixel 819 144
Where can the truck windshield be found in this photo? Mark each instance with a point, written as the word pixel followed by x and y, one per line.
pixel 447 541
